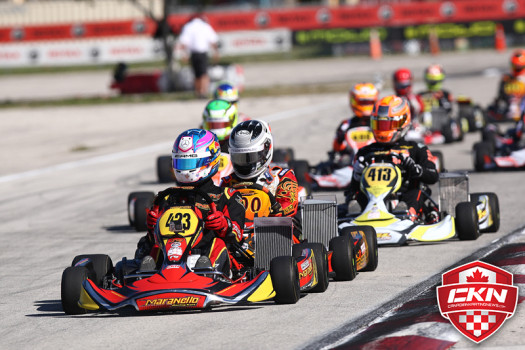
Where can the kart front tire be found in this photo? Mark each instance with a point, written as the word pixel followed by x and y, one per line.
pixel 132 197
pixel 343 257
pixel 321 262
pixel 164 169
pixel 467 227
pixel 71 285
pixel 482 150
pixel 101 266
pixel 494 209
pixel 371 242
pixel 285 279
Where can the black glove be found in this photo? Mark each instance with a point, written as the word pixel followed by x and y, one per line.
pixel 413 170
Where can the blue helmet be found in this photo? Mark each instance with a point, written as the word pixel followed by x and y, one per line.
pixel 195 156
pixel 228 92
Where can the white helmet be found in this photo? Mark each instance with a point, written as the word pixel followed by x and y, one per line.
pixel 251 148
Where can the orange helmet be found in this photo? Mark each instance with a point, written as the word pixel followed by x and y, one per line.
pixel 390 119
pixel 517 62
pixel 362 99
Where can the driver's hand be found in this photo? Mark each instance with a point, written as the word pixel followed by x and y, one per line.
pixel 152 217
pixel 413 169
pixel 359 165
pixel 218 223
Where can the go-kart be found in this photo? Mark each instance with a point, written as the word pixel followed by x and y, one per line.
pixel 336 173
pixel 471 115
pixel 438 126
pixel 340 255
pixel 498 150
pixel 381 181
pixel 182 278
pixel 510 107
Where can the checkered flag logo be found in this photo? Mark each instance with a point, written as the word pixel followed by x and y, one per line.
pixel 477 298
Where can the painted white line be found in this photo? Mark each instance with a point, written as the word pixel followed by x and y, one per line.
pixel 152 148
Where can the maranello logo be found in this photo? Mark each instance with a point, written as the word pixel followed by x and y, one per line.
pixel 477 298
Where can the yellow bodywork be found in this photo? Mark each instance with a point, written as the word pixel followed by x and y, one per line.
pixel 264 292
pixel 86 302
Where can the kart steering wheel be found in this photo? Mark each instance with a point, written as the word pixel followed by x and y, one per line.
pixel 382 158
pixel 178 192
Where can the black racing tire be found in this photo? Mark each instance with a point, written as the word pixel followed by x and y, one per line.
pixel 285 279
pixel 482 150
pixel 494 208
pixel 101 265
pixel 164 169
pixel 371 242
pixel 301 168
pixel 70 288
pixel 446 130
pixel 132 197
pixel 489 135
pixel 321 261
pixel 441 160
pixel 467 227
pixel 343 258
pixel 283 155
pixel 140 213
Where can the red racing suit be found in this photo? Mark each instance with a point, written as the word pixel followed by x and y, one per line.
pixel 213 244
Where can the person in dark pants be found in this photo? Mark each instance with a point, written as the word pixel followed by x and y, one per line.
pixel 198 37
pixel 390 121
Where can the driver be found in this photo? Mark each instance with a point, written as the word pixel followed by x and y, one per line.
pixel 512 84
pixel 363 96
pixel 195 158
pixel 435 96
pixel 251 151
pixel 220 116
pixel 390 121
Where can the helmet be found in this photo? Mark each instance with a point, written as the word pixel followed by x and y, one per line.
pixel 518 62
pixel 434 76
pixel 362 99
pixel 220 117
pixel 251 148
pixel 226 91
pixel 195 156
pixel 390 119
pixel 402 81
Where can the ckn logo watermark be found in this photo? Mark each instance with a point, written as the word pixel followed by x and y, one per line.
pixel 477 298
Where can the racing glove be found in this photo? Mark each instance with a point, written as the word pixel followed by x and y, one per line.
pixel 218 223
pixel 152 217
pixel 414 170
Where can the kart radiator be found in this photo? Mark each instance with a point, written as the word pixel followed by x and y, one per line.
pixel 319 220
pixel 273 238
pixel 453 189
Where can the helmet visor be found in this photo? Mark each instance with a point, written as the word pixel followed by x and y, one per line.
pixel 246 163
pixel 385 123
pixel 213 125
pixel 189 163
pixel 402 85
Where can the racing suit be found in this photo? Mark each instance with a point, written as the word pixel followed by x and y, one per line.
pixel 511 91
pixel 342 154
pixel 417 172
pixel 213 244
pixel 416 105
pixel 437 99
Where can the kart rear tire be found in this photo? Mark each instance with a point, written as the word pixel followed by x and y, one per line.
pixel 285 279
pixel 283 155
pixel 101 266
pixel 467 227
pixel 132 197
pixel 70 288
pixel 481 151
pixel 164 169
pixel 321 262
pixel 371 242
pixel 301 168
pixel 446 130
pixel 343 257
pixel 494 209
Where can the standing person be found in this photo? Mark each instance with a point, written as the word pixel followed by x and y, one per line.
pixel 198 37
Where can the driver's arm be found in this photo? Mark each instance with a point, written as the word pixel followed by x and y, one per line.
pixel 430 174
pixel 235 212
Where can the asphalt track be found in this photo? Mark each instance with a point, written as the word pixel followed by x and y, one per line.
pixel 66 173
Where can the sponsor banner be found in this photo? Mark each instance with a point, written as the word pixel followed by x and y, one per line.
pixel 255 42
pixel 295 19
pixel 79 52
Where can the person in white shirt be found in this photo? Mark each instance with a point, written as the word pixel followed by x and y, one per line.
pixel 198 37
